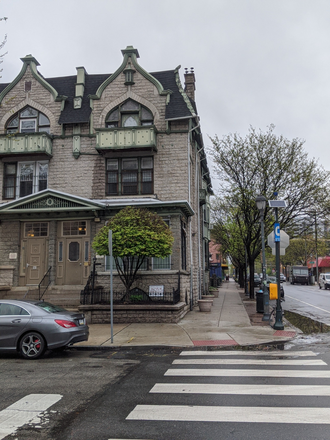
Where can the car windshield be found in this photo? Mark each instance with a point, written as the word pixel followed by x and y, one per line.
pixel 271 280
pixel 50 307
pixel 327 277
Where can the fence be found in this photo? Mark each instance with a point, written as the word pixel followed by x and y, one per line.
pixel 134 296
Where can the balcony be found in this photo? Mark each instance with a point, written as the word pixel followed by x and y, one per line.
pixel 25 144
pixel 126 138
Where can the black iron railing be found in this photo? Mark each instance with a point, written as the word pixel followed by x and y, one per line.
pixel 134 296
pixel 98 295
pixel 44 283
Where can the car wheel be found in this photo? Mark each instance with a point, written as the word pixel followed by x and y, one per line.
pixel 32 345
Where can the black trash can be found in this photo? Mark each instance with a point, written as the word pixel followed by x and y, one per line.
pixel 260 301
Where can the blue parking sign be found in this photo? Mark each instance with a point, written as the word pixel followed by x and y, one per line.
pixel 277 236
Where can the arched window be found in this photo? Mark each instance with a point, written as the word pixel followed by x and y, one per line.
pixel 28 120
pixel 129 114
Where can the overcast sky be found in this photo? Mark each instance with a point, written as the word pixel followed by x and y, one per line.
pixel 257 62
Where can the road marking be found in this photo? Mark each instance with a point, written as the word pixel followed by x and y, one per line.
pixel 234 414
pixel 247 353
pixel 247 373
pixel 295 362
pixel 24 411
pixel 315 307
pixel 234 389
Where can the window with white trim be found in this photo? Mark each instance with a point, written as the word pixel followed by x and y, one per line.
pixel 28 120
pixel 129 114
pixel 24 178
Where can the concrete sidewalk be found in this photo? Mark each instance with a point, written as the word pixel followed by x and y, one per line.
pixel 228 324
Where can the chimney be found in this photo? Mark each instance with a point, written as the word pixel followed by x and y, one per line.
pixel 189 83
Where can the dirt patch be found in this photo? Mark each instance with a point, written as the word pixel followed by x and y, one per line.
pixel 306 325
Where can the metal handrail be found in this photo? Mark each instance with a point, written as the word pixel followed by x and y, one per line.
pixel 40 284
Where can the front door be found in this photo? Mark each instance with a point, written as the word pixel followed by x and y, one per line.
pixel 74 265
pixel 73 255
pixel 35 260
pixel 34 252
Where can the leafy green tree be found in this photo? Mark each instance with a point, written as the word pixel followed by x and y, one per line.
pixel 136 235
pixel 266 164
pixel 302 250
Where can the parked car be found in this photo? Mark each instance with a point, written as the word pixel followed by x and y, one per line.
pixel 282 278
pixel 324 281
pixel 270 279
pixel 32 327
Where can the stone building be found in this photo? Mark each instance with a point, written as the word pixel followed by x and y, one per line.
pixel 74 151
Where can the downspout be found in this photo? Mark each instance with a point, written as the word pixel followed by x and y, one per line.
pixel 199 231
pixel 190 230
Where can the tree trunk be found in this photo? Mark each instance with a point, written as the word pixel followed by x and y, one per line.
pixel 251 283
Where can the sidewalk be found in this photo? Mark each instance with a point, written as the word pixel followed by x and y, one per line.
pixel 233 321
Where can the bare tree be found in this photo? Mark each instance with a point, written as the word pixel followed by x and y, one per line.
pixel 266 164
pixel 2 44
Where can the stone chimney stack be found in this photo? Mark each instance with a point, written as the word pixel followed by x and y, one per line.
pixel 189 83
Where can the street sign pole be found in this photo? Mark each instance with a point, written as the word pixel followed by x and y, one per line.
pixel 111 283
pixel 279 319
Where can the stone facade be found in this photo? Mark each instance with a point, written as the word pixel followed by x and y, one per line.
pixel 52 227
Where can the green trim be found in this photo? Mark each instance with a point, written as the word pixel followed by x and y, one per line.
pixel 29 60
pixel 132 53
pixel 46 200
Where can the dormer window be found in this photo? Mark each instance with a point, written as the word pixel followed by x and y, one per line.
pixel 129 114
pixel 28 120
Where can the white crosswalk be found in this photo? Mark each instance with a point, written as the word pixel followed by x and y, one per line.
pixel 26 410
pixel 247 368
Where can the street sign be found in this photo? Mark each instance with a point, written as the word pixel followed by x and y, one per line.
pixel 284 243
pixel 277 236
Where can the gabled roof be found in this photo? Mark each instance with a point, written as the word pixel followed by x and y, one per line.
pixel 167 82
pixel 50 200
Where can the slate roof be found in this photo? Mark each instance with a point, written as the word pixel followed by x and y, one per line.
pixel 176 108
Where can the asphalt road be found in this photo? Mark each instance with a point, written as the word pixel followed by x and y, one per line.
pixel 309 301
pixel 174 394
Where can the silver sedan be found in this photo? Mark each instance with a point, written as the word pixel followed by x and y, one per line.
pixel 31 327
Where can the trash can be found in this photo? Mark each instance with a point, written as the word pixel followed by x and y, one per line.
pixel 260 301
pixel 311 280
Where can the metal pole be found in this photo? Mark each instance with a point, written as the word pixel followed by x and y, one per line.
pixel 265 295
pixel 317 258
pixel 111 284
pixel 245 278
pixel 278 321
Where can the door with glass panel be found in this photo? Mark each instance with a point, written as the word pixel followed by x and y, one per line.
pixel 73 253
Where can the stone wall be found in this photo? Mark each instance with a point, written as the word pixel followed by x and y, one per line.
pixel 100 314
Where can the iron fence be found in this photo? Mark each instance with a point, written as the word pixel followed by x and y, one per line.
pixel 134 296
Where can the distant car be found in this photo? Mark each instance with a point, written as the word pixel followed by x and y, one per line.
pixel 324 281
pixel 32 327
pixel 282 278
pixel 257 280
pixel 274 281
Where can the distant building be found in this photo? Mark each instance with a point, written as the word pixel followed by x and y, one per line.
pixel 217 263
pixel 75 150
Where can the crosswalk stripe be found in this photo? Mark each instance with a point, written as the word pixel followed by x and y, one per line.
pixel 247 353
pixel 261 390
pixel 24 411
pixel 325 374
pixel 300 362
pixel 230 414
